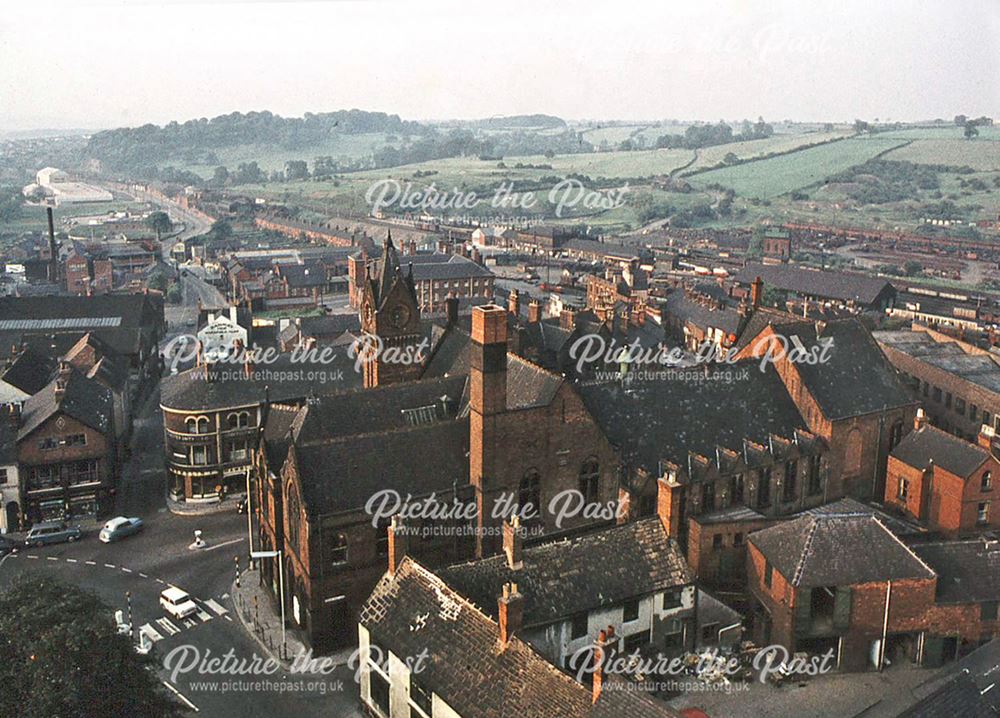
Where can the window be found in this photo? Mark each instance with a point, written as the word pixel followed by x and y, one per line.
pixel 631 611
pixel 737 539
pixel 43 477
pixel 199 455
pixel 238 419
pixel 47 443
pixel 987 482
pixel 708 496
pixel 736 488
pixel 420 696
pixel 197 424
pixel 590 480
pixel 380 692
pixel 239 451
pixel 578 629
pixel 986 417
pixel 937 395
pixel 815 480
pixel 529 493
pixel 636 641
pixel 337 550
pixel 717 541
pixel 76 440
pixel 903 491
pixel 674 634
pixel 895 435
pixel 852 452
pixel 768 573
pixel 947 399
pixel 764 490
pixel 672 599
pixel 973 412
pixel 960 406
pixel 983 512
pixel 791 474
pixel 924 388
pixel 988 610
pixel 710 633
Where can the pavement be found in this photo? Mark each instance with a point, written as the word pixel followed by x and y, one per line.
pixel 260 616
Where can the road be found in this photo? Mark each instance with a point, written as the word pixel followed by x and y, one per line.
pixel 145 564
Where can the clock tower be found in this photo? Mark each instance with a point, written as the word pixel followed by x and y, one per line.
pixel 390 321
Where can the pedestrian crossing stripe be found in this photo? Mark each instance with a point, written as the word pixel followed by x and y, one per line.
pixel 151 633
pixel 167 626
pixel 204 616
pixel 219 610
pixel 189 623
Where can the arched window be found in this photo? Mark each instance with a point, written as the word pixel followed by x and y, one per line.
pixel 529 494
pixel 292 513
pixel 238 419
pixel 196 424
pixel 337 550
pixel 590 480
pixel 852 452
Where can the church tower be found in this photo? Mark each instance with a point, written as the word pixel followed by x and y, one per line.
pixel 390 321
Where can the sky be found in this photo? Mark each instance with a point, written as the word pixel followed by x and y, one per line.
pixel 109 63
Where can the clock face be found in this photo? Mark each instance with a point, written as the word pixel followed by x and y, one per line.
pixel 400 316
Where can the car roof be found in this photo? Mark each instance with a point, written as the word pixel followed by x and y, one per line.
pixel 173 593
pixel 47 525
pixel 115 522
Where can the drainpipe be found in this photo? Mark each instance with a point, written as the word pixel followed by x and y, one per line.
pixel 885 626
pixel 878 456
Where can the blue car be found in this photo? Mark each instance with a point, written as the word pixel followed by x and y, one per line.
pixel 120 527
pixel 51 532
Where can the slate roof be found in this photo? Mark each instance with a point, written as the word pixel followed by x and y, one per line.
pixel 453 267
pixel 666 419
pixel 688 309
pixel 829 284
pixel 414 610
pixel 277 433
pixel 303 275
pixel 529 385
pixel 343 474
pixel 947 355
pixel 968 571
pixel 84 399
pixel 31 370
pixel 958 696
pixel 929 444
pixel 856 379
pixel 837 550
pixel 282 380
pixel 583 573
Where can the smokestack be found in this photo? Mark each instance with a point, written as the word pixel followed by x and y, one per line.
pixel 397 544
pixel 510 613
pixel 514 302
pixel 451 309
pixel 534 312
pixel 513 541
pixel 920 421
pixel 604 639
pixel 756 292
pixel 62 380
pixel 53 252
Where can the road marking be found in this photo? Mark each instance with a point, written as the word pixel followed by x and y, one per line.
pixel 216 608
pixel 51 558
pixel 110 565
pixel 189 623
pixel 180 695
pixel 151 633
pixel 126 570
pixel 224 596
pixel 224 543
pixel 71 560
pixel 228 617
pixel 91 563
pixel 31 555
pixel 142 575
pixel 167 626
pixel 160 580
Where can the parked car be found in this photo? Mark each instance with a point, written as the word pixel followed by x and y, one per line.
pixel 6 546
pixel 177 602
pixel 120 527
pixel 241 507
pixel 51 532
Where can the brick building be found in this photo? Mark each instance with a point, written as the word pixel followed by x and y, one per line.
pixel 943 481
pixel 957 384
pixel 859 292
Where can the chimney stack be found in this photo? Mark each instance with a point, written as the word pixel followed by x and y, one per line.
pixel 514 303
pixel 534 312
pixel 397 544
pixel 600 656
pixel 451 309
pixel 510 611
pixel 62 380
pixel 53 252
pixel 756 292
pixel 513 542
pixel 920 421
pixel 567 319
pixel 669 503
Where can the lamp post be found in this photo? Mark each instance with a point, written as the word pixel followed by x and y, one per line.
pixel 281 586
pixel 249 520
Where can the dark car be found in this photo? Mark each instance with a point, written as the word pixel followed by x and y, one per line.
pixel 6 546
pixel 51 532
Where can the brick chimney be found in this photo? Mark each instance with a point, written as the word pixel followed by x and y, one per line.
pixel 534 312
pixel 510 612
pixel 567 319
pixel 62 380
pixel 756 292
pixel 920 421
pixel 398 545
pixel 670 503
pixel 53 250
pixel 986 436
pixel 514 303
pixel 600 656
pixel 487 400
pixel 451 309
pixel 513 543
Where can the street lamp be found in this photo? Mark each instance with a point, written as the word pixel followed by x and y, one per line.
pixel 249 520
pixel 281 586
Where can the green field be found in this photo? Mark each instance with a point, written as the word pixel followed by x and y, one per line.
pixel 980 154
pixel 712 156
pixel 775 176
pixel 613 135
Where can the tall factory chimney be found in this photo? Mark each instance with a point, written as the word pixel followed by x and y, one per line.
pixel 53 252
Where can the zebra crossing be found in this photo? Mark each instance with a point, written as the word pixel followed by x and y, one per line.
pixel 165 627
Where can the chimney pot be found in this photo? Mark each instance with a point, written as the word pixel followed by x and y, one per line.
pixel 397 544
pixel 510 612
pixel 513 541
pixel 534 312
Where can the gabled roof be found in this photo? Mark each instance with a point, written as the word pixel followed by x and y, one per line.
pixel 928 444
pixel 837 550
pixel 31 370
pixel 594 570
pixel 829 284
pixel 84 400
pixel 414 611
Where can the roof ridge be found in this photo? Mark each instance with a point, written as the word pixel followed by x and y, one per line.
pixel 910 551
pixel 800 567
